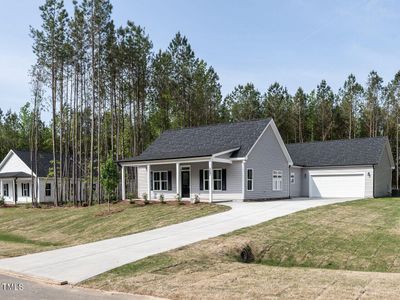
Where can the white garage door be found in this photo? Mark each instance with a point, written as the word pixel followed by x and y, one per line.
pixel 337 185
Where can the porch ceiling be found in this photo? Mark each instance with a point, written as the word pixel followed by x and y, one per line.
pixel 15 175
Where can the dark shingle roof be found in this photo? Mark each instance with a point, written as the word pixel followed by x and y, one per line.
pixel 44 161
pixel 204 141
pixel 362 151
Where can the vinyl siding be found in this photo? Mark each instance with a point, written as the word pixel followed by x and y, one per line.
pixel 265 157
pixel 383 176
pixel 296 187
pixel 142 181
pixel 233 181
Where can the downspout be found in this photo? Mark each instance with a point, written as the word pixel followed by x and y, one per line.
pixel 373 181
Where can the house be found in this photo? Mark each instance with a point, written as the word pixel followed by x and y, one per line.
pixel 249 161
pixel 16 185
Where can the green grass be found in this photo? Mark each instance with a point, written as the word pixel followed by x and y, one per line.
pixel 26 230
pixel 362 235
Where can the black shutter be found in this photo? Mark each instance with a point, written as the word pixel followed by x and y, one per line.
pixel 169 181
pixel 201 180
pixel 224 179
pixel 151 181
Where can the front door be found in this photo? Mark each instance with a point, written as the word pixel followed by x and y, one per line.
pixel 185 184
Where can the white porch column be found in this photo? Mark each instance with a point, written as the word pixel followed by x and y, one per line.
pixel 243 179
pixel 178 182
pixel 38 190
pixel 1 188
pixel 148 182
pixel 123 183
pixel 210 181
pixel 15 191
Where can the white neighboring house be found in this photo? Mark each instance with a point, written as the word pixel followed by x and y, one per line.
pixel 16 181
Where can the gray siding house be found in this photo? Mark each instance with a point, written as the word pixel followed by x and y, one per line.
pixel 249 161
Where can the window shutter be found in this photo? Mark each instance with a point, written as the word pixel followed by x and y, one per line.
pixel 201 180
pixel 169 181
pixel 151 181
pixel 224 179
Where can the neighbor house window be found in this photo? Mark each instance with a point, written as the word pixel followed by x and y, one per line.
pixel 292 178
pixel 48 189
pixel 277 180
pixel 160 180
pixel 249 179
pixel 217 180
pixel 25 189
pixel 5 190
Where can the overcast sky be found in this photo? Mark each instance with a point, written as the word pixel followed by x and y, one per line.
pixel 296 43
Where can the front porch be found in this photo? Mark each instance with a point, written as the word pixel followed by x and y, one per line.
pixel 16 187
pixel 188 178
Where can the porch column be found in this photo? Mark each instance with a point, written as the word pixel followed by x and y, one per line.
pixel 15 190
pixel 1 188
pixel 243 179
pixel 38 190
pixel 178 182
pixel 123 184
pixel 148 182
pixel 210 181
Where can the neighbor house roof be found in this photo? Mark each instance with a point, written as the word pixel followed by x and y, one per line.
pixel 204 141
pixel 361 151
pixel 44 161
pixel 15 175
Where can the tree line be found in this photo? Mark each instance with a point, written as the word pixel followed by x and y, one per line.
pixel 110 94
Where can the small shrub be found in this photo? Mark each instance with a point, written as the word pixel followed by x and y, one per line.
pixel 179 199
pixel 162 199
pixel 196 199
pixel 145 198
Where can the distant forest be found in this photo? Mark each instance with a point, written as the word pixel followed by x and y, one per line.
pixel 111 94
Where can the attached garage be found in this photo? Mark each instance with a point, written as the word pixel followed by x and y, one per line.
pixel 337 185
pixel 354 168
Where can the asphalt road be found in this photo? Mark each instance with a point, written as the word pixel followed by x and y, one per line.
pixel 19 289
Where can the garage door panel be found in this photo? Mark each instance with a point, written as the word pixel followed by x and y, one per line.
pixel 337 185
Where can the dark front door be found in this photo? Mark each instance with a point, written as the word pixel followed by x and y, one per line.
pixel 185 184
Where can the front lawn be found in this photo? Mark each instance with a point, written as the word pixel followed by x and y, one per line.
pixel 362 235
pixel 27 230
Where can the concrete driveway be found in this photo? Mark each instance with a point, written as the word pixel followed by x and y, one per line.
pixel 74 264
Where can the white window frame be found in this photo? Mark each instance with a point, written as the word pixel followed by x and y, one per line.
pixel 215 180
pixel 277 180
pixel 160 181
pixel 25 190
pixel 250 179
pixel 205 179
pixel 292 178
pixel 6 192
pixel 46 189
